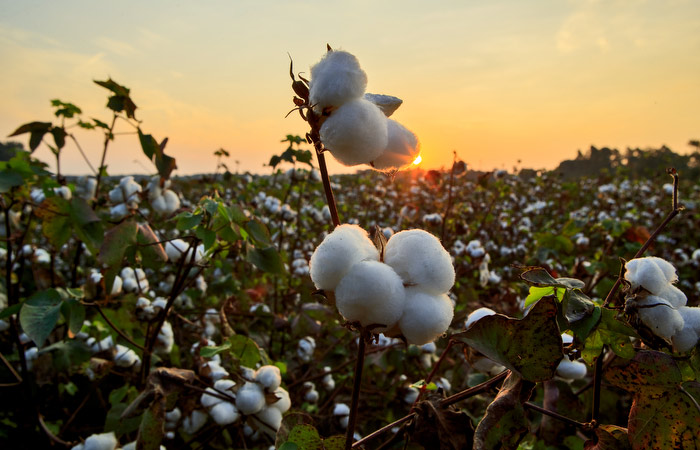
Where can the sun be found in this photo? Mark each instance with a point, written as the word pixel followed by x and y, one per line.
pixel 417 161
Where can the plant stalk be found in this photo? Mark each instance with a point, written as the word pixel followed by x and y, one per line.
pixel 357 381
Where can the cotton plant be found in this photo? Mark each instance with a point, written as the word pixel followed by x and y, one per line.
pixel 163 200
pixel 125 198
pixel 356 127
pixel 396 293
pixel 659 304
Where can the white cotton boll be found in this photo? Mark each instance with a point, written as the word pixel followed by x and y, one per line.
pixel 478 314
pixel 356 133
pixel 411 395
pixel 175 249
pixel 328 382
pixel 159 303
pixel 341 409
pixel 566 339
pixel 571 370
pixel 103 441
pixel 486 365
pixel 673 295
pixel 311 396
pixel 425 317
pixel 210 400
pixel 173 416
pixel 269 377
pixel 419 259
pixel 194 422
pixel 166 339
pixel 125 357
pixel 651 273
pixel 284 402
pixel 63 191
pixel 224 413
pixel 336 79
pixel 216 372
pixel 443 383
pixel 250 398
pixel 305 348
pixel 337 253
pixel 224 385
pixel 687 338
pixel 401 150
pixel 663 320
pixel 271 418
pixel 371 293
pixel 118 212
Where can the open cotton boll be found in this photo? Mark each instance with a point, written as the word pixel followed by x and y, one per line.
pixel 401 150
pixel 426 316
pixel 420 259
pixel 387 103
pixel 356 133
pixel 269 377
pixel 125 357
pixel 224 413
pixel 166 203
pixel 194 422
pixel 673 295
pixel 250 398
pixel 663 320
pixel 208 400
pixel 571 370
pixel 371 293
pixel 336 79
pixel 103 441
pixel 271 419
pixel 478 314
pixel 340 250
pixel 687 338
pixel 651 273
pixel 283 402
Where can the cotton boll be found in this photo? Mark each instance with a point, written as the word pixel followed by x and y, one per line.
pixel 250 398
pixel 284 402
pixel 332 259
pixel 118 212
pixel 651 273
pixel 571 370
pixel 125 357
pixel 224 413
pixel 194 422
pixel 336 79
pixel 486 365
pixel 311 396
pixel 420 259
pixel 478 314
pixel 210 400
pixel 687 338
pixel 673 295
pixel 663 320
pixel 356 133
pixel 426 316
pixel 175 249
pixel 224 385
pixel 387 103
pixel 271 419
pixel 401 150
pixel 371 293
pixel 269 377
pixel 341 409
pixel 63 191
pixel 411 395
pixel 103 441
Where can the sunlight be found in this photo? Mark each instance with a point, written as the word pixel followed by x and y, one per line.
pixel 417 161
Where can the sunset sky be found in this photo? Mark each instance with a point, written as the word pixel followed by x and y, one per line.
pixel 496 81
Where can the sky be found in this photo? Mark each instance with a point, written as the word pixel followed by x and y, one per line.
pixel 503 83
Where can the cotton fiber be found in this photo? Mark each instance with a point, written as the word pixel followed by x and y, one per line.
pixel 336 79
pixel 250 398
pixel 224 413
pixel 475 315
pixel 426 316
pixel 651 273
pixel 663 320
pixel 332 259
pixel 687 338
pixel 420 259
pixel 401 150
pixel 356 133
pixel 371 293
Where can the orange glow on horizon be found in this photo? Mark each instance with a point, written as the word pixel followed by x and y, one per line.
pixel 417 161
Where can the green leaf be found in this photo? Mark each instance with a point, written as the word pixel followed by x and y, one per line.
pixel 208 237
pixel 289 446
pixel 504 423
pixel 538 276
pixel 67 110
pixel 208 352
pixel 74 313
pixel 609 437
pixel 116 242
pixel 536 293
pixel 39 315
pixel 664 411
pixel 10 179
pixel 59 137
pixel 186 220
pixel 152 252
pixel 151 429
pixel 54 213
pixel 576 305
pixel 258 231
pixel 88 226
pixel 36 130
pixel 305 437
pixel 531 347
pixel 10 310
pixel 266 259
pixel 245 350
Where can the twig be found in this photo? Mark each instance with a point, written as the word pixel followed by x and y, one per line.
pixel 115 328
pixel 12 369
pixel 357 381
pixel 546 412
pixel 478 389
pixel 80 149
pixel 382 430
pixel 430 376
pixel 52 436
pixel 692 399
pixel 597 379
